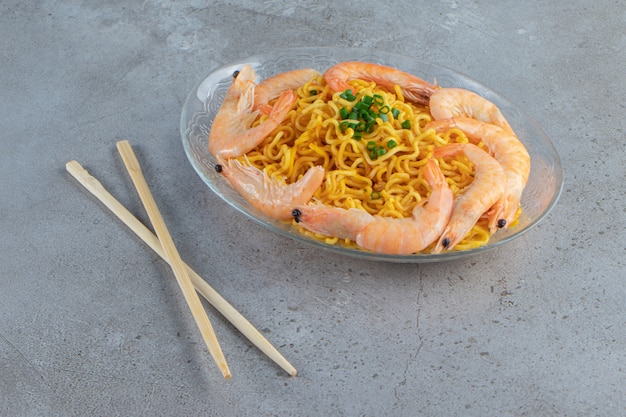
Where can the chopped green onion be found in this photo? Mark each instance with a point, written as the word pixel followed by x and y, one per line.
pixel 347 95
pixel 375 195
pixel 362 106
pixel 368 117
pixel 406 124
pixel 313 92
pixel 362 119
pixel 345 124
pixel 360 127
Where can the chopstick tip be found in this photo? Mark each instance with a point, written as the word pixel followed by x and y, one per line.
pixel 123 142
pixel 225 370
pixel 73 166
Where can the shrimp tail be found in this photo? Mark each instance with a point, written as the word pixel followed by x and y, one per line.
pixel 338 84
pixel 302 191
pixel 284 103
pixel 448 150
pixel 270 88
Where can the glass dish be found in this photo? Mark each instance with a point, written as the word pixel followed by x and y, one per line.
pixel 541 193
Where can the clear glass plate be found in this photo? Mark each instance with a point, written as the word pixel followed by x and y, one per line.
pixel 541 193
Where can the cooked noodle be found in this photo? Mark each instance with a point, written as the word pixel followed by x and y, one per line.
pixel 389 185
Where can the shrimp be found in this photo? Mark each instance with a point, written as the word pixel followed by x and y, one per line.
pixel 272 87
pixel 413 88
pixel 507 149
pixel 486 188
pixel 454 102
pixel 381 234
pixel 231 134
pixel 267 194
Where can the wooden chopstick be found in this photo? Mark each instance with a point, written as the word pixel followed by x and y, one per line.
pixel 198 312
pixel 213 297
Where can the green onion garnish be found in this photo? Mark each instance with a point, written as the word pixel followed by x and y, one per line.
pixel 362 119
pixel 378 99
pixel 347 95
pixel 362 105
pixel 344 124
pixel 375 195
pixel 368 117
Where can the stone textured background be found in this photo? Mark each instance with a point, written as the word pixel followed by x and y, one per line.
pixel 92 323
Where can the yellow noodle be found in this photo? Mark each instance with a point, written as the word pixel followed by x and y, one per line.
pixel 389 185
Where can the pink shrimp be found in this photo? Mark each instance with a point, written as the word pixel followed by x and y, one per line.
pixel 272 87
pixel 413 88
pixel 486 188
pixel 454 102
pixel 231 134
pixel 269 195
pixel 507 149
pixel 381 234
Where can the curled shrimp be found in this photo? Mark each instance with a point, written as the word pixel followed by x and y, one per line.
pixel 231 133
pixel 272 87
pixel 269 195
pixel 507 149
pixel 446 103
pixel 413 88
pixel 381 234
pixel 486 188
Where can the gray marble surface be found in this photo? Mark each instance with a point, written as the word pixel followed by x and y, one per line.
pixel 92 322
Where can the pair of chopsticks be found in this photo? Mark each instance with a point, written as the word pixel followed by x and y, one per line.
pixel 188 280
